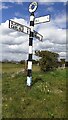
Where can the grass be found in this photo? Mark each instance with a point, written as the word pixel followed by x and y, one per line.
pixel 11 67
pixel 45 99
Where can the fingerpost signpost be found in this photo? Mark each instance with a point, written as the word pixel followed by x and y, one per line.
pixel 32 33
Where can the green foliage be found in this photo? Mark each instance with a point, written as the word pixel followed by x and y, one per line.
pixel 48 60
pixel 62 61
pixel 34 61
pixel 22 61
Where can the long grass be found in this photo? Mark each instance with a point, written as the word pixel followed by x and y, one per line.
pixel 46 98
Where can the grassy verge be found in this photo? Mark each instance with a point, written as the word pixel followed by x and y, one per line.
pixel 45 99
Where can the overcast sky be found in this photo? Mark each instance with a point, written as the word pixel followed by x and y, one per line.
pixel 15 44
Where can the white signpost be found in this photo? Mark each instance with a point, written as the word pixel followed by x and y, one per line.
pixel 32 33
pixel 18 27
pixel 22 28
pixel 42 19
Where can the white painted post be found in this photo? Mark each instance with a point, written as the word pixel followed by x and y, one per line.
pixel 29 71
pixel 31 35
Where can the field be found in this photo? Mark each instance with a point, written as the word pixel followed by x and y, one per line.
pixel 45 99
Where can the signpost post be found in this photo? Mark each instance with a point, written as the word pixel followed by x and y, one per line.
pixel 32 33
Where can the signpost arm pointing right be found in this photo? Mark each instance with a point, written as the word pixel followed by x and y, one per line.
pixel 42 19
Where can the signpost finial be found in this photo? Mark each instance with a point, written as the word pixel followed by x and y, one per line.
pixel 33 6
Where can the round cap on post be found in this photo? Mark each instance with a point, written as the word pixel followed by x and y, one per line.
pixel 33 6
